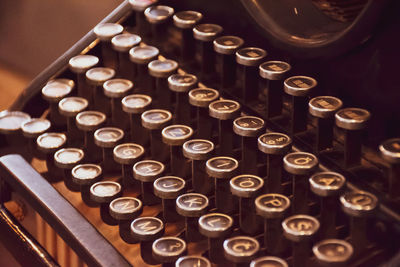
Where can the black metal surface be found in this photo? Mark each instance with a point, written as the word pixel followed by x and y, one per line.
pixel 76 231
pixel 24 248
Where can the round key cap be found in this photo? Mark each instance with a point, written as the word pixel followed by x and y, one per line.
pixel 127 153
pixel 299 85
pixel 300 163
pixel 224 109
pixel 97 76
pixel 241 249
pixel 181 83
pixel 274 70
pixel 193 260
pixel 325 184
pixel 352 118
pixel 198 149
pixel 143 54
pixel 106 31
pixel 390 152
pixel 108 137
pixel 51 142
pixel 136 103
pixel 227 45
pixel 124 42
pixel 11 121
pixel 116 88
pixel 168 188
pixel 55 91
pixel 67 158
pixel 250 56
pixel 168 249
pixel 89 120
pixel 176 135
pixel 324 106
pixel 274 143
pixel 162 68
pixel 156 119
pixel 81 63
pixel 191 206
pixel 34 127
pixel 216 227
pixel 222 167
pixel 85 175
pixel 158 14
pixel 359 204
pixel 333 252
pixel 71 106
pixel 248 126
pixel 273 208
pixel 268 261
pixel 141 5
pixel 206 32
pixel 246 187
pixel 147 171
pixel 103 193
pixel 202 97
pixel 300 229
pixel 187 19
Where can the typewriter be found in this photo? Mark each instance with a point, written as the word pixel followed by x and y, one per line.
pixel 226 133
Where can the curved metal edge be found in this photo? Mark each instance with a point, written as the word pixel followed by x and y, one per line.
pixel 75 230
pixel 356 33
pixel 60 63
pixel 24 248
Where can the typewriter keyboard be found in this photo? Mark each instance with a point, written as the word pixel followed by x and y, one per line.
pixel 186 146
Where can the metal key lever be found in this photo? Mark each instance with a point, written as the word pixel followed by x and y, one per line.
pixel 78 233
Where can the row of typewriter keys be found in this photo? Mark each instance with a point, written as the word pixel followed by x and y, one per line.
pixel 150 126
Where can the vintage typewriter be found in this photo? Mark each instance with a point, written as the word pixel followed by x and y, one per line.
pixel 225 133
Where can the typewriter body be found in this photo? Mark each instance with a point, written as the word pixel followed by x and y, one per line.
pixel 232 133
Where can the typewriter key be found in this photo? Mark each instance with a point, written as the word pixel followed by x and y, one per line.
pixel 226 47
pixel 79 65
pixel 189 261
pixel 139 6
pixel 96 77
pixel 272 208
pixel 53 92
pixel 269 261
pixel 88 122
pixel 205 35
pixel 146 230
pixel 168 188
pixel 175 136
pixel 359 206
pixel 69 107
pixel 201 99
pixel 352 121
pixel 159 17
pixel 85 175
pixel 66 159
pixel 300 229
pixel 324 109
pixel 127 154
pixel 141 56
pixel 185 21
pixel 122 43
pixel 116 89
pixel 328 186
pixel 192 206
pixel 249 128
pixel 147 171
pixel 216 227
pixel 246 187
pixel 48 143
pixel 161 70
pixel 124 210
pixel 198 151
pixel 103 193
pixel 299 88
pixel 31 129
pixel 181 84
pixel 222 169
pixel 390 151
pixel 107 138
pixel 154 120
pixel 249 58
pixel 300 165
pixel 135 105
pixel 10 128
pixel 275 146
pixel 241 249
pixel 168 249
pixel 105 32
pixel 333 252
pixel 273 72
pixel 225 111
